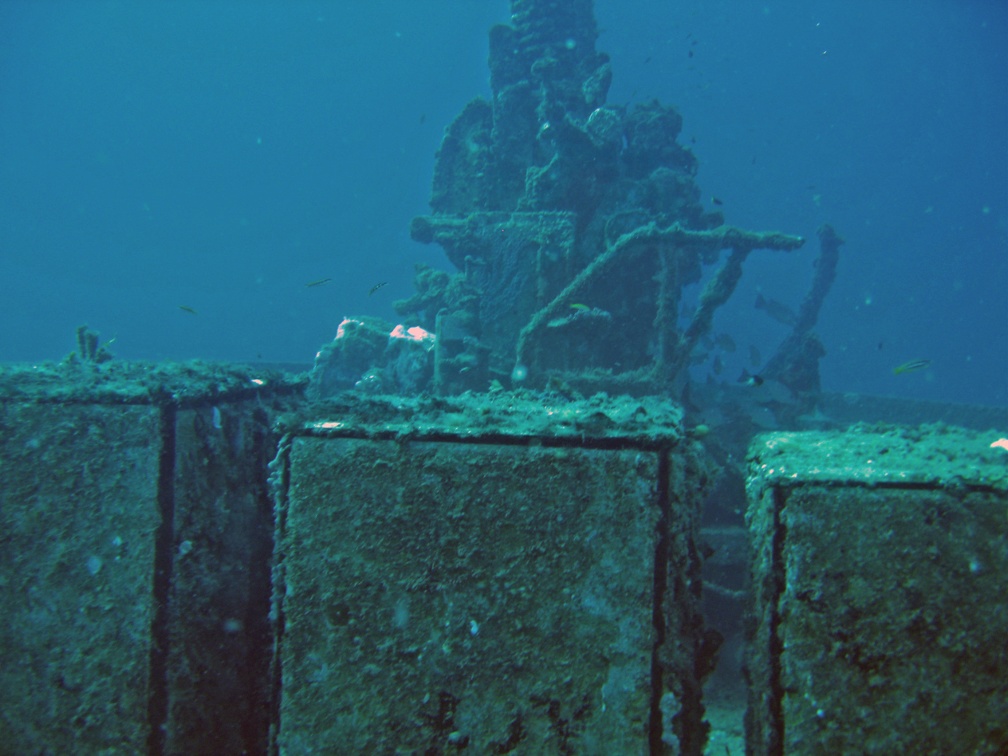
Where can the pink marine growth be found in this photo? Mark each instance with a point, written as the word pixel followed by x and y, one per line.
pixel 416 333
pixel 341 329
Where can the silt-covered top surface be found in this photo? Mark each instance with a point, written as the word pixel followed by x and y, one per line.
pixel 889 455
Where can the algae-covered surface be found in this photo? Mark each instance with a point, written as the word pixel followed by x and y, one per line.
pixel 128 488
pixel 440 596
pixel 939 455
pixel 597 420
pixel 480 569
pixel 124 382
pixel 78 514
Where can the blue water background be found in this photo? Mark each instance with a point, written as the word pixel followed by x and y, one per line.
pixel 221 155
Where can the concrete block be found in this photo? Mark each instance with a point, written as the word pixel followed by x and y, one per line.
pixel 507 589
pixel 79 517
pixel 134 563
pixel 880 570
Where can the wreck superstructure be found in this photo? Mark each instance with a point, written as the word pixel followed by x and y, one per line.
pixel 574 225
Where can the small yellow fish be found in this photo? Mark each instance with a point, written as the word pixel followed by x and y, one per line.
pixel 579 306
pixel 187 308
pixel 909 367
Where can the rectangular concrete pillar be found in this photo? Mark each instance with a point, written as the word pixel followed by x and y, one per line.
pixel 79 516
pixel 518 589
pixel 880 571
pixel 134 562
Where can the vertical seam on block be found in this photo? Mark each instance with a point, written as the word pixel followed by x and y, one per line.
pixel 776 712
pixel 164 538
pixel 660 586
pixel 279 483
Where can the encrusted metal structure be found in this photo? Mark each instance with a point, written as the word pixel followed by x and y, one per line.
pixel 574 225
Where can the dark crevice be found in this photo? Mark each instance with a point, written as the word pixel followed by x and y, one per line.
pixel 279 485
pixel 960 487
pixel 655 726
pixel 578 441
pixel 164 538
pixel 256 669
pixel 775 744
